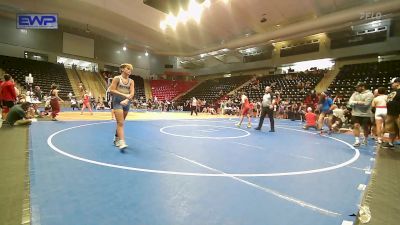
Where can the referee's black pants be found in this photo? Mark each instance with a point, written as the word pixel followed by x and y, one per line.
pixel 193 109
pixel 264 112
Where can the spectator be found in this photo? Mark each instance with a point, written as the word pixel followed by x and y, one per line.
pixel 311 119
pixel 379 104
pixel 74 104
pixel 361 112
pixel 1 100
pixel 18 115
pixel 38 93
pixel 8 95
pixel 193 106
pixel 324 106
pixel 338 118
pixel 392 122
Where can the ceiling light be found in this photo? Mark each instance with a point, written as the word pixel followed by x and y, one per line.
pixel 163 25
pixel 124 48
pixel 146 53
pixel 195 10
pixel 172 21
pixel 183 16
pixel 207 3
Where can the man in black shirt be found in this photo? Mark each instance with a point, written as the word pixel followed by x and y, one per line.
pixel 392 121
pixel 38 93
pixel 268 103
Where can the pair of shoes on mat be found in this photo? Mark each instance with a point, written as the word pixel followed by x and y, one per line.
pixel 387 145
pixel 121 144
pixel 365 142
pixel 257 128
pixel 239 125
pixel 358 143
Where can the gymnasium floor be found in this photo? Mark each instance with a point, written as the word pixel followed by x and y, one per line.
pixel 192 170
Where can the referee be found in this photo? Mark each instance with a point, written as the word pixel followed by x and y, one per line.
pixel 268 103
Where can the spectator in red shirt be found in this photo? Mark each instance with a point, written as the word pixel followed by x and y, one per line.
pixel 1 100
pixel 311 119
pixel 8 95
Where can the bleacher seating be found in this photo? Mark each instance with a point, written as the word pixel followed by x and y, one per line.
pixel 168 89
pixel 139 87
pixel 286 84
pixel 44 73
pixel 139 83
pixel 376 74
pixel 213 89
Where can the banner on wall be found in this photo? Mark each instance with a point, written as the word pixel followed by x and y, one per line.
pixel 37 21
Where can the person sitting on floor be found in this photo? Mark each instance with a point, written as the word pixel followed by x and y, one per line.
pixel 311 119
pixel 18 115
